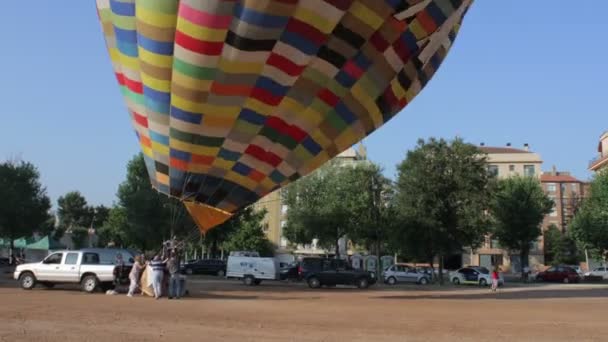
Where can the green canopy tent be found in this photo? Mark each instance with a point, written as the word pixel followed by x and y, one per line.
pixel 46 243
pixel 18 243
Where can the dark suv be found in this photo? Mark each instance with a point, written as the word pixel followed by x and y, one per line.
pixel 318 272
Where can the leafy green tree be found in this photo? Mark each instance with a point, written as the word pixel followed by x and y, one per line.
pixel 250 234
pixel 116 229
pixel 101 214
pixel 443 189
pixel 25 204
pixel 518 208
pixel 151 217
pixel 370 203
pixel 80 236
pixel 323 206
pixel 73 211
pixel 560 248
pixel 590 224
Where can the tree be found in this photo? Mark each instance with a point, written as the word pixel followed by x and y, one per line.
pixel 370 203
pixel 79 237
pixel 149 217
pixel 116 229
pixel 73 211
pixel 443 189
pixel 101 214
pixel 590 224
pixel 25 204
pixel 518 209
pixel 560 248
pixel 250 235
pixel 323 206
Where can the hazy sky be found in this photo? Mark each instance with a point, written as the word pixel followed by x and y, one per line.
pixel 521 71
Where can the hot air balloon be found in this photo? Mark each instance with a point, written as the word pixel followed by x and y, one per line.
pixel 233 99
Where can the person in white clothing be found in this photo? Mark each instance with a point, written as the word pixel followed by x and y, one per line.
pixel 135 275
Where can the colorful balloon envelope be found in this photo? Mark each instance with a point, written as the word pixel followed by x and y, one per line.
pixel 233 99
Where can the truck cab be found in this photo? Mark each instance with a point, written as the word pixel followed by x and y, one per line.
pixel 91 268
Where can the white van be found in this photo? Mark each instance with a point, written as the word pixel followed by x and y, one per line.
pixel 251 268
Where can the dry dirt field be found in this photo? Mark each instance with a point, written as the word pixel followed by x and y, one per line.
pixel 220 310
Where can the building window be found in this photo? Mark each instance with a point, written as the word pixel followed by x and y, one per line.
pixel 551 187
pixel 574 187
pixel 553 211
pixel 563 187
pixel 512 168
pixel 265 227
pixel 284 208
pixel 529 170
pixel 495 244
pixel 493 170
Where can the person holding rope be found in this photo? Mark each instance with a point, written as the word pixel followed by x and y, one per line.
pixel 175 288
pixel 135 275
pixel 158 270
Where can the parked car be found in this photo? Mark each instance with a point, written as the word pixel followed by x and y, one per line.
pixel 405 274
pixel 319 272
pixel 578 270
pixel 289 271
pixel 205 266
pixel 598 272
pixel 563 274
pixel 475 275
pixel 91 268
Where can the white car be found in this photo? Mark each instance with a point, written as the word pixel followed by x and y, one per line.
pixel 598 272
pixel 474 275
pixel 91 268
pixel 406 274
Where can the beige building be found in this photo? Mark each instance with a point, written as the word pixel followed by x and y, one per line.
pixel 567 192
pixel 276 210
pixel 506 162
pixel 601 161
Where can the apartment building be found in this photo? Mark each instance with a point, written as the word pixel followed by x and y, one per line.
pixel 567 192
pixel 601 161
pixel 506 162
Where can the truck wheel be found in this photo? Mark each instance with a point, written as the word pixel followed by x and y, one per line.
pixel 89 283
pixel 314 283
pixel 249 280
pixel 362 283
pixel 257 281
pixel 27 281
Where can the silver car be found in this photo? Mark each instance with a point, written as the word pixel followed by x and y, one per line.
pixel 405 274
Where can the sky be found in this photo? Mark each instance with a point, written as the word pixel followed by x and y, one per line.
pixel 521 71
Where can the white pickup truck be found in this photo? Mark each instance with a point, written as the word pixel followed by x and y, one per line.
pixel 91 268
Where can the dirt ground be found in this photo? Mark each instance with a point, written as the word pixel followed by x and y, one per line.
pixel 220 310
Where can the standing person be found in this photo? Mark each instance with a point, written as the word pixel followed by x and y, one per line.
pixel 134 275
pixel 526 273
pixel 495 277
pixel 175 289
pixel 158 270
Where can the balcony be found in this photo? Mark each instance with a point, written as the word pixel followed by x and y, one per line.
pixel 598 162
